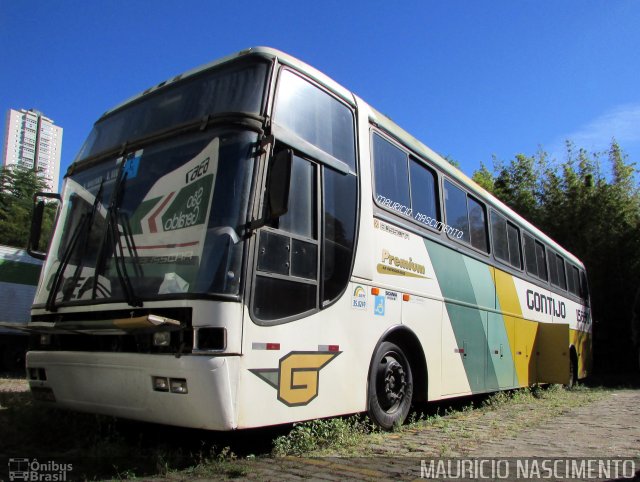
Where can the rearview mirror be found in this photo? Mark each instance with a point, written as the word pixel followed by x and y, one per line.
pixel 278 183
pixel 45 209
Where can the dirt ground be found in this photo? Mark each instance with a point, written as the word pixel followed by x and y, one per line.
pixel 608 427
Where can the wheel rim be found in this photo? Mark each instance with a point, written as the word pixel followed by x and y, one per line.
pixel 391 382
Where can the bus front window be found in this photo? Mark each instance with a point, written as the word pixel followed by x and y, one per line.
pixel 164 220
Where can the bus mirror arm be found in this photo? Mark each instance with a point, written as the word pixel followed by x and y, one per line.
pixel 276 199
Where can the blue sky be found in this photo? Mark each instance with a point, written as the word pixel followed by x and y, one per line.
pixel 469 78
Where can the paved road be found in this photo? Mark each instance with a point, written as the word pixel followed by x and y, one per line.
pixel 609 427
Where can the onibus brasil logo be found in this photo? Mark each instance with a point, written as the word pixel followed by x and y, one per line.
pixel 297 378
pixel 32 470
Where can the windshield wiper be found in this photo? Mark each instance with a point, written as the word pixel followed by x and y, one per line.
pixel 86 221
pixel 114 235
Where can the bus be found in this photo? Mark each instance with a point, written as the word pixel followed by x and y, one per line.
pixel 250 244
pixel 19 274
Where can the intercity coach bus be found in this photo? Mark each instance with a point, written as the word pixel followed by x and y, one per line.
pixel 250 244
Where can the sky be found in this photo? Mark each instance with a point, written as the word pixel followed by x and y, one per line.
pixel 471 79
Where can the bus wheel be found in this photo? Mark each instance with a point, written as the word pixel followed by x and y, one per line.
pixel 573 372
pixel 390 386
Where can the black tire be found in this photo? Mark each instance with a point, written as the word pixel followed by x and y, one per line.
pixel 390 386
pixel 573 372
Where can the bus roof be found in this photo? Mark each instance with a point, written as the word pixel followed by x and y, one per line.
pixel 265 52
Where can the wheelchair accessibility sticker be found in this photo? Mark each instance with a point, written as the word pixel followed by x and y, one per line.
pixel 379 306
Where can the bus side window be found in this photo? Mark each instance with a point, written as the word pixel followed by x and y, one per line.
pixel 553 269
pixel 287 262
pixel 499 235
pixel 541 259
pixel 340 201
pixel 466 215
pixel 315 116
pixel 573 280
pixel 584 287
pixel 391 176
pixel 506 240
pixel 515 254
pixel 423 192
pixel 562 278
pixel 530 255
pixel 477 225
pixel 455 201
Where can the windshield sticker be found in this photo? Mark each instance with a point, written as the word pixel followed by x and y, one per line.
pixel 131 165
pixel 174 212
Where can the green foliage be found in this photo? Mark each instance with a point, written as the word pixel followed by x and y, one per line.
pixel 452 161
pixel 17 187
pixel 329 433
pixel 484 178
pixel 594 213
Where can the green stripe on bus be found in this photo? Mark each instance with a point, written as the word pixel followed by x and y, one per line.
pixel 469 324
pixel 22 273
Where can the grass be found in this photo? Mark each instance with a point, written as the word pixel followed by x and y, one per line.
pixel 447 430
pixel 103 447
pixel 318 435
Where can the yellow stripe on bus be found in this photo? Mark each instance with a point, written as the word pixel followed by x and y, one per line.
pixel 522 343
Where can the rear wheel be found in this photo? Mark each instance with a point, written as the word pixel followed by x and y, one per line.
pixel 390 386
pixel 573 372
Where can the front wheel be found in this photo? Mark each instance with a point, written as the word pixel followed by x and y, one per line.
pixel 390 386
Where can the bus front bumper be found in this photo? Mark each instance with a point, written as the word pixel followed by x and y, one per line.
pixel 124 385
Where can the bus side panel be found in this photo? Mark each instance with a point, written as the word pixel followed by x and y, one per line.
pixel 468 287
pixel 525 346
pixel 499 372
pixel 424 317
pixel 500 332
pixel 313 367
pixel 404 264
pixel 553 353
pixel 508 305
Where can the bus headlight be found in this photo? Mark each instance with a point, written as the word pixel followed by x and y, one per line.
pixel 178 385
pixel 173 385
pixel 160 384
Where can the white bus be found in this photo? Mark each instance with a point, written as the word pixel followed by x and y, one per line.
pixel 250 244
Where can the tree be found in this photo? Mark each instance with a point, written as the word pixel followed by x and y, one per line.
pixel 17 188
pixel 597 217
pixel 451 161
pixel 484 178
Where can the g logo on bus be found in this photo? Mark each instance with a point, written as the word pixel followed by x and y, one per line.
pixel 297 377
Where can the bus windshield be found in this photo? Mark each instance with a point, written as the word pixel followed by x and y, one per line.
pixel 162 221
pixel 233 87
pixel 163 217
